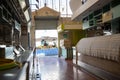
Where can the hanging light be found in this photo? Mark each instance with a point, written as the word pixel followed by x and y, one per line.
pixel 36 6
pixel 37 1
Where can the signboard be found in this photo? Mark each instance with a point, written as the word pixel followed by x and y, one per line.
pixel 107 16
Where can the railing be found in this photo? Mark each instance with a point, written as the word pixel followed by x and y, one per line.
pixel 35 67
pixel 47 51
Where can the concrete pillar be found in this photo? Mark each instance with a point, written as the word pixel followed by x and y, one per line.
pixel 69 53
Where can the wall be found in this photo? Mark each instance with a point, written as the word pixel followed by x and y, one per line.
pixel 115 26
pixel 107 70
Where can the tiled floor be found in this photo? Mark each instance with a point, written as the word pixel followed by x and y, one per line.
pixel 54 68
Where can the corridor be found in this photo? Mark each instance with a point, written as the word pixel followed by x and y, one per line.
pixel 54 68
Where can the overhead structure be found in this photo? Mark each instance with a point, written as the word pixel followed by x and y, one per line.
pixel 46 18
pixel 80 10
pixel 69 33
pixel 15 22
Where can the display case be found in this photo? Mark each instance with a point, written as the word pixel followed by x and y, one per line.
pixel 6 52
pixel 6 26
pixel 5 35
pixel 16 33
pixel 5 15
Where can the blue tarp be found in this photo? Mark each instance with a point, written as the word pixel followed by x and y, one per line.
pixel 48 51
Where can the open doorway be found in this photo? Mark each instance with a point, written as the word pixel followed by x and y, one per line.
pixel 46 42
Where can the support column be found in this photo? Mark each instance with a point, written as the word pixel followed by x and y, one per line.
pixel 24 37
pixel 69 53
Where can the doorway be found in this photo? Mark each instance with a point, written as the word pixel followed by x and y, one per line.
pixel 46 42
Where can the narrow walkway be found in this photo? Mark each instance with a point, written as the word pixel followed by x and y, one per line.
pixel 54 68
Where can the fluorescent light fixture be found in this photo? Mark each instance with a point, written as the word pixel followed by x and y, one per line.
pixel 27 15
pixel 22 3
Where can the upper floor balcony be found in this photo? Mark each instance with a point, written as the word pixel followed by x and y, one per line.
pixel 82 8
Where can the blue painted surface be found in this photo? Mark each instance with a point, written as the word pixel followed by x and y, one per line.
pixel 48 52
